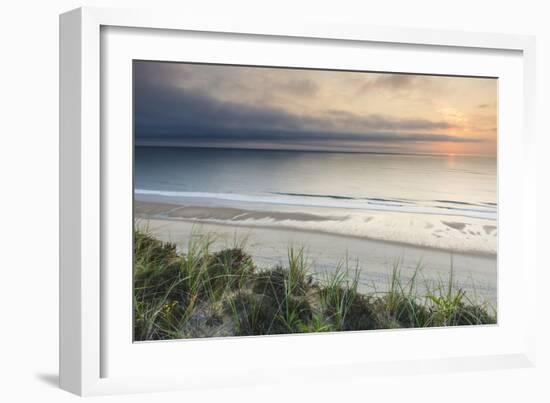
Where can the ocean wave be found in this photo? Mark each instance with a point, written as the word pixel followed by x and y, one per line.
pixel 431 207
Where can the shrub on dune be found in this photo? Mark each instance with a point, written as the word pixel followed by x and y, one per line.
pixel 203 294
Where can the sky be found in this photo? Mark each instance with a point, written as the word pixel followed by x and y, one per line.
pixel 200 105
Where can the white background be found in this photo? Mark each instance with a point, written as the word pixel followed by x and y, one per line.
pixel 29 247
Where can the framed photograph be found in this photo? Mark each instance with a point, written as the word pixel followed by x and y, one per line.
pixel 241 204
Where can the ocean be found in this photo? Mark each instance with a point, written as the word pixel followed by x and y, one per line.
pixel 438 201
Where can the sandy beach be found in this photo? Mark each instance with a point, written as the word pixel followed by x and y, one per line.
pixel 474 272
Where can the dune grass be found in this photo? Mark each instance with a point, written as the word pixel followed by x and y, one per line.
pixel 201 293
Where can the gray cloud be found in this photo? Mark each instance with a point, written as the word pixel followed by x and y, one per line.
pixel 380 122
pixel 393 82
pixel 302 87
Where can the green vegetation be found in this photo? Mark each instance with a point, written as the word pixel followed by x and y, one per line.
pixel 202 293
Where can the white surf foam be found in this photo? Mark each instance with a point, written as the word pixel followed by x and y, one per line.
pixel 434 207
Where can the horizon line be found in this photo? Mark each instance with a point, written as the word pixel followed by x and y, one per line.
pixel 157 145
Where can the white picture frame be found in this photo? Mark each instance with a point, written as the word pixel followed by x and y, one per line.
pixel 92 357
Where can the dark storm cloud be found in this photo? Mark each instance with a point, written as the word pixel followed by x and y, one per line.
pixel 177 112
pixel 172 115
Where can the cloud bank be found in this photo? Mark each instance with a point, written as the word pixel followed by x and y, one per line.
pixel 215 106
